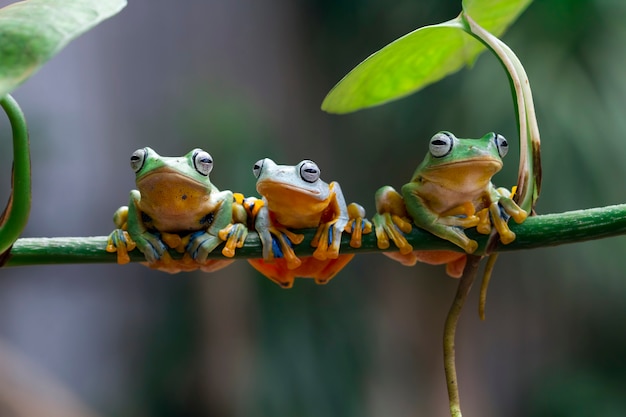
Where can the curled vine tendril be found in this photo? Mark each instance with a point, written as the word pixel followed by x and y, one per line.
pixel 15 215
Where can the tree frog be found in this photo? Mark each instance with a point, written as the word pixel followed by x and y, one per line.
pixel 450 191
pixel 295 197
pixel 176 206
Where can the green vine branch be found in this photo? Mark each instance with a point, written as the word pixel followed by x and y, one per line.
pixel 449 332
pixel 535 232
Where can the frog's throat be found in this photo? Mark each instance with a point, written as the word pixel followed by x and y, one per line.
pixel 168 194
pixel 294 206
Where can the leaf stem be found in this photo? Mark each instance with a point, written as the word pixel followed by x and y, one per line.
pixel 529 174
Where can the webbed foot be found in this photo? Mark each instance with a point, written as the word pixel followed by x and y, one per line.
pixel 390 226
pixel 357 225
pixel 327 241
pixel 277 243
pixel 201 244
pixel 120 241
pixel 500 212
pixel 151 246
pixel 235 236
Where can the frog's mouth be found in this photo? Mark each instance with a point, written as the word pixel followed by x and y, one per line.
pixel 171 192
pixel 290 195
pixel 471 174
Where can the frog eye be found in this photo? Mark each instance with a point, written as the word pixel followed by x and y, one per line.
pixel 441 144
pixel 202 162
pixel 501 144
pixel 309 171
pixel 137 159
pixel 258 167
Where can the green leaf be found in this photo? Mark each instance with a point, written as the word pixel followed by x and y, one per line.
pixel 33 31
pixel 406 65
pixel 495 16
pixel 419 58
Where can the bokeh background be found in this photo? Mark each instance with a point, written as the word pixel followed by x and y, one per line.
pixel 244 79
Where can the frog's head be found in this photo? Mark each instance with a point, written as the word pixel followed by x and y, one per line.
pixel 173 184
pixel 449 154
pixel 462 165
pixel 297 186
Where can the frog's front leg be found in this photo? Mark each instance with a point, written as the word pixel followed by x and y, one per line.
pixel 357 225
pixel 148 243
pixel 391 220
pixel 235 233
pixel 449 228
pixel 276 241
pixel 119 241
pixel 511 208
pixel 327 239
pixel 205 241
pixel 504 203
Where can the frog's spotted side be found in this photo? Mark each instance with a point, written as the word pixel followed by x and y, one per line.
pixel 295 197
pixel 176 206
pixel 450 191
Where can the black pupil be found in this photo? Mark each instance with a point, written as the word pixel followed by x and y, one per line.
pixel 438 142
pixel 310 170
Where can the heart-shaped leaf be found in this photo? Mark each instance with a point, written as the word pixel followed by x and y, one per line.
pixel 33 31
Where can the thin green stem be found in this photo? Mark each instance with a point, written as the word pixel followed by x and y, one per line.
pixel 482 300
pixel 535 232
pixel 529 177
pixel 449 332
pixel 15 216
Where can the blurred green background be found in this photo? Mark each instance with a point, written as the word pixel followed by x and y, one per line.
pixel 244 80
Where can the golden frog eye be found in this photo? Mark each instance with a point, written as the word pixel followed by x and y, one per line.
pixel 202 162
pixel 309 171
pixel 441 144
pixel 137 159
pixel 501 144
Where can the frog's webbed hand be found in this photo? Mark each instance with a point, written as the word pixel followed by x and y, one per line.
pixel 235 233
pixel 500 211
pixel 204 242
pixel 276 241
pixel 390 227
pixel 119 240
pixel 448 227
pixel 510 207
pixel 148 243
pixel 327 239
pixel 391 220
pixel 357 225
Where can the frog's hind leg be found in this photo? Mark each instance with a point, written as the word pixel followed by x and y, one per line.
pixel 449 227
pixel 445 228
pixel 282 240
